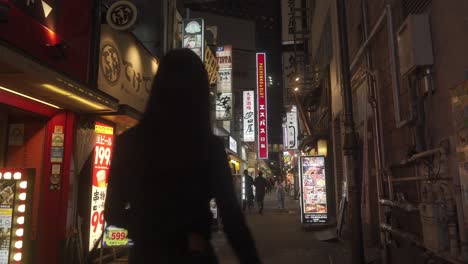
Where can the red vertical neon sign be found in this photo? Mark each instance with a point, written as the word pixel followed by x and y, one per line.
pixel 262 107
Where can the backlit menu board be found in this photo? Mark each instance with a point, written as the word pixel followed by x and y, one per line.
pixel 16 187
pixel 313 190
pixel 102 158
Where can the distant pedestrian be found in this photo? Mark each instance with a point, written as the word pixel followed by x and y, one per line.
pixel 260 189
pixel 249 196
pixel 164 202
pixel 280 192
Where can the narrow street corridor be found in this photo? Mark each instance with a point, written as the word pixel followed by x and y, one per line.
pixel 281 239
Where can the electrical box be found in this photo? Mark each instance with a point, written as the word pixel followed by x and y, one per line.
pixel 415 43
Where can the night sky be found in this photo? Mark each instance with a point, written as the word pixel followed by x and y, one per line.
pixel 266 14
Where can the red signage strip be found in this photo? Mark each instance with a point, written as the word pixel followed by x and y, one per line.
pixel 262 107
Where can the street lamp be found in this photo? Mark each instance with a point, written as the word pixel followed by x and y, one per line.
pixel 296 89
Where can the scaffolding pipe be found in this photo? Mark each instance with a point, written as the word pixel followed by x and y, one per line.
pixel 407 207
pixel 425 154
pixel 374 101
pixel 394 62
pixel 402 234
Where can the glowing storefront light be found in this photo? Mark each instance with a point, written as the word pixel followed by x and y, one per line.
pixel 19 244
pixel 20 220
pixel 17 256
pixel 17 176
pixel 21 208
pixel 20 232
pixel 22 196
pixel 7 176
pixel 23 184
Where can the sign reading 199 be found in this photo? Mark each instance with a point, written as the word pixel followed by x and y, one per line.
pixel 102 153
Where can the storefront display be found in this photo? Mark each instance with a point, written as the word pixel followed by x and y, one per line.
pixel 101 165
pixel 313 190
pixel 16 187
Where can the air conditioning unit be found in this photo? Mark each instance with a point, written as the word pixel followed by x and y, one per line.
pixel 415 43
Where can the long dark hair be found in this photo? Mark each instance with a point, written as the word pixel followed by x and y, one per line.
pixel 179 101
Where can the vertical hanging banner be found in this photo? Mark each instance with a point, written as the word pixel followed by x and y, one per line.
pixel 249 116
pixel 291 129
pixel 262 107
pixel 194 36
pixel 224 57
pixel 224 106
pixel 291 23
pixel 101 164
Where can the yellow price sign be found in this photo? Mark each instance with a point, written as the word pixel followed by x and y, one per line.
pixel 115 237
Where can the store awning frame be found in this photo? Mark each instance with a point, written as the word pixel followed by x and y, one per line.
pixel 24 74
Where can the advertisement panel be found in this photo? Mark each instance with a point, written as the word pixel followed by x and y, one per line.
pixel 101 165
pixel 262 107
pixel 194 36
pixel 290 23
pixel 290 70
pixel 15 214
pixel 232 144
pixel 224 56
pixel 126 68
pixel 249 116
pixel 291 130
pixel 224 106
pixel 224 81
pixel 313 190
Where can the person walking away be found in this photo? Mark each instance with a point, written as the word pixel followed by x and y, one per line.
pixel 249 182
pixel 280 192
pixel 163 201
pixel 260 188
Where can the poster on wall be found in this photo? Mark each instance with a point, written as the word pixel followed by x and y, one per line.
pixel 7 195
pixel 249 116
pixel 224 106
pixel 101 164
pixel 313 190
pixel 194 36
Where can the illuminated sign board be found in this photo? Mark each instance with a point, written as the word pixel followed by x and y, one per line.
pixel 224 106
pixel 249 116
pixel 194 36
pixel 101 163
pixel 291 130
pixel 16 187
pixel 262 107
pixel 313 190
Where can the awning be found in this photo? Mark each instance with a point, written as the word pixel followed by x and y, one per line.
pixel 125 117
pixel 22 74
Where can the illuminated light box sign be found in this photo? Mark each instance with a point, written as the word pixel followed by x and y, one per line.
pixel 16 187
pixel 313 190
pixel 262 107
pixel 101 164
pixel 116 237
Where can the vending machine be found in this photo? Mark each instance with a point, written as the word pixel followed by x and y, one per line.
pixel 313 190
pixel 16 187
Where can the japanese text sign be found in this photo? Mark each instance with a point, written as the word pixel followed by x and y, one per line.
pixel 262 107
pixel 249 116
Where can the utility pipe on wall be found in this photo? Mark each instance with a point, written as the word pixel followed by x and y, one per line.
pixel 394 62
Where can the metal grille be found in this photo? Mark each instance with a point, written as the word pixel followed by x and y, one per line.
pixel 415 6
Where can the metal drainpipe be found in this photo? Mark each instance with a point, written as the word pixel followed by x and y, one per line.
pixel 349 146
pixel 377 131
